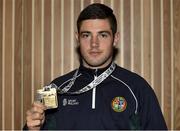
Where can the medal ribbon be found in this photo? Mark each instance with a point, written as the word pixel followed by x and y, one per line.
pixel 91 85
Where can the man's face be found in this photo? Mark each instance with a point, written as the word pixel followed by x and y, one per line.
pixel 96 41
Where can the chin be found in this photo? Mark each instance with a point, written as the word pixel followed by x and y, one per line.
pixel 97 64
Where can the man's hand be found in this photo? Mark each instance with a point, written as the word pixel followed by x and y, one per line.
pixel 35 116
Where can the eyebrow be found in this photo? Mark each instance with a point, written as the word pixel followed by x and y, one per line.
pixel 84 32
pixel 108 32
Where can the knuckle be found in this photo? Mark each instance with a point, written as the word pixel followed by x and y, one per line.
pixel 34 123
pixel 27 113
pixel 29 124
pixel 38 122
pixel 37 115
pixel 34 109
pixel 28 118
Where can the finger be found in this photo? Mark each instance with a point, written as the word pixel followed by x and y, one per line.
pixel 34 123
pixel 35 119
pixel 38 109
pixel 34 114
pixel 28 112
pixel 36 128
pixel 40 105
pixel 37 116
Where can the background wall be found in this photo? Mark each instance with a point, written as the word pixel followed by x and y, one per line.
pixel 37 44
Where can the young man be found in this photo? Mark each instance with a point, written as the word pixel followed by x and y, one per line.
pixel 99 94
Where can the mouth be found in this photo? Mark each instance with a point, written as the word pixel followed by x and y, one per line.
pixel 94 53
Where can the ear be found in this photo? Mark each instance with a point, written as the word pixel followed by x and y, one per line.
pixel 77 37
pixel 116 38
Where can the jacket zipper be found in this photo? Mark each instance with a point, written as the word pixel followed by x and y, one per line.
pixel 94 93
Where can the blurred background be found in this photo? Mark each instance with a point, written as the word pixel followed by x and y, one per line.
pixel 37 44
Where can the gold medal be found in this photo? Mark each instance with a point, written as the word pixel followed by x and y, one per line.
pixel 47 97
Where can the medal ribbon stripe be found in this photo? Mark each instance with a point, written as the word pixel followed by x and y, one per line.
pixel 91 85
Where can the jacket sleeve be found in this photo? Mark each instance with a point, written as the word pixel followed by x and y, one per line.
pixel 25 127
pixel 150 111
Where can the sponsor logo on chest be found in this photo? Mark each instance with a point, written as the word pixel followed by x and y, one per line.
pixel 70 102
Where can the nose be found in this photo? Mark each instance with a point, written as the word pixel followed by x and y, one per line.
pixel 94 41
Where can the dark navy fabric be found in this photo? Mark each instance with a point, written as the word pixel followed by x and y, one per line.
pixel 75 111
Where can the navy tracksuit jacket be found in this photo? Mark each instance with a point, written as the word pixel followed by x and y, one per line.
pixel 111 105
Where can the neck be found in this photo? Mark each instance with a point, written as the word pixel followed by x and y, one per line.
pixel 107 63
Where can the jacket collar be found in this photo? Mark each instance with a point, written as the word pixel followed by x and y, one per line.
pixel 92 72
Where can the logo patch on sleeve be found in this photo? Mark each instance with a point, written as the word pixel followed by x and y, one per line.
pixel 119 104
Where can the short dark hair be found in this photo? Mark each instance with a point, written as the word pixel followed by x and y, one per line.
pixel 98 11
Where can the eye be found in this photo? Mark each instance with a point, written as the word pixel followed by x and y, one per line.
pixel 104 35
pixel 85 35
